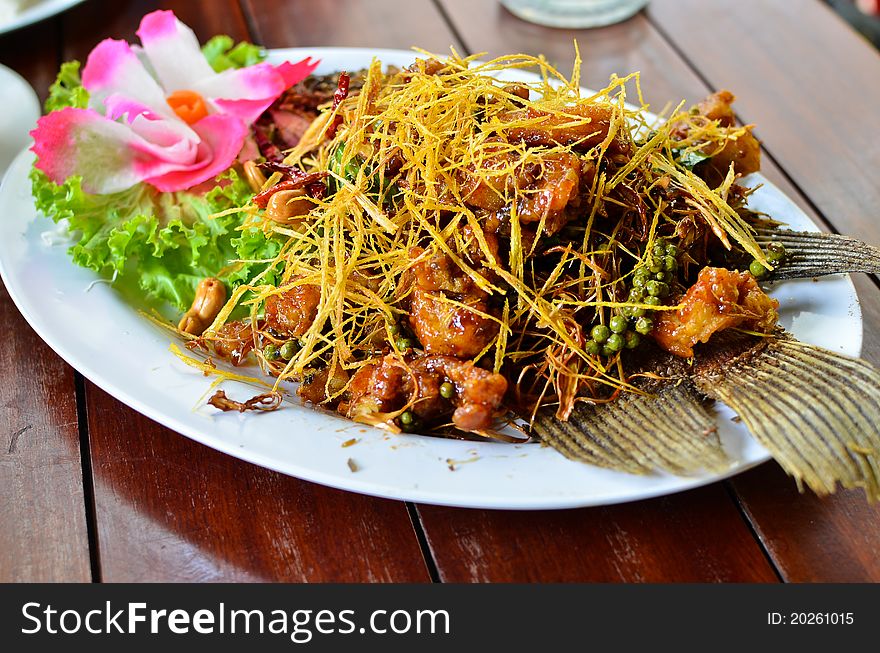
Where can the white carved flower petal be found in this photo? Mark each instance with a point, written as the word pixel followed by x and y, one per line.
pixel 173 51
pixel 113 69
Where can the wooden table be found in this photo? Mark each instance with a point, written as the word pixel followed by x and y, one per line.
pixel 93 491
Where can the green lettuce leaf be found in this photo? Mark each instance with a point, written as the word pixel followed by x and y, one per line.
pixel 67 91
pixel 257 248
pixel 222 53
pixel 161 244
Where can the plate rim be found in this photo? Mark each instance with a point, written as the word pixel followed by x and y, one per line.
pixel 37 13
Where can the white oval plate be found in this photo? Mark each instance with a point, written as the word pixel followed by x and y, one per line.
pixel 94 330
pixel 35 13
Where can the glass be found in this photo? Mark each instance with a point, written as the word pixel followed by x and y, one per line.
pixel 574 13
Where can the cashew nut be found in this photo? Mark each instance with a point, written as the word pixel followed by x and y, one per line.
pixel 254 176
pixel 285 205
pixel 210 298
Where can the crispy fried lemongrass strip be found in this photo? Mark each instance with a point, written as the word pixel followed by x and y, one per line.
pixel 207 367
pixel 397 166
pixel 714 208
pixel 162 323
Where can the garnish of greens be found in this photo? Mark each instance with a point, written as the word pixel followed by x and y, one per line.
pixel 140 163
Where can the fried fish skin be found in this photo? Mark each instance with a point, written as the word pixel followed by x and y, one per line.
pixel 548 188
pixel 234 341
pixel 291 312
pixel 582 126
pixel 461 329
pixel 387 384
pixel 720 299
pixel 744 152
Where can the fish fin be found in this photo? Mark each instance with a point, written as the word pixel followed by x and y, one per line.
pixel 668 428
pixel 815 254
pixel 815 411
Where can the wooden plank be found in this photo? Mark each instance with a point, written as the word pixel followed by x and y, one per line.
pixel 697 536
pixel 635 45
pixel 43 533
pixel 352 23
pixel 170 509
pixel 486 26
pixel 812 540
pixel 43 530
pixel 807 81
pixel 87 24
pixel 446 549
pixel 633 542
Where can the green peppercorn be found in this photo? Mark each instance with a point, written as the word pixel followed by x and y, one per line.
pixel 393 328
pixel 672 250
pixel 644 325
pixel 404 343
pixel 618 324
pixel 758 271
pixel 653 288
pixel 775 252
pixel 636 294
pixel 289 349
pixel 615 342
pixel 659 251
pixel 447 390
pixel 664 289
pixel 593 348
pixel 607 351
pixel 653 301
pixel 270 352
pixel 667 277
pixel 656 266
pixel 633 340
pixel 636 311
pixel 640 277
pixel 660 276
pixel 670 264
pixel 600 333
pixel 407 418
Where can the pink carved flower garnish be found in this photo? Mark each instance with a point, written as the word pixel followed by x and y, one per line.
pixel 157 113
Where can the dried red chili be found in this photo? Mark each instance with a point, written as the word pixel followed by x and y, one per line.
pixel 314 188
pixel 307 181
pixel 267 148
pixel 338 96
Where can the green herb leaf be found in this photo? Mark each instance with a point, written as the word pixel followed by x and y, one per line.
pixel 689 158
pixel 222 53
